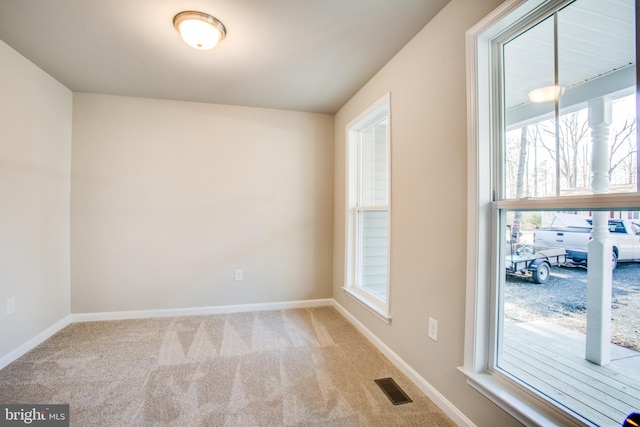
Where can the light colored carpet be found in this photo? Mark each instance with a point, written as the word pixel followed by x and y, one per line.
pixel 303 367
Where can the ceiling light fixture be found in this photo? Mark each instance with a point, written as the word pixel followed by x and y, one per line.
pixel 199 30
pixel 546 94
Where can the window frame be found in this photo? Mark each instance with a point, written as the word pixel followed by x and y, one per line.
pixel 373 114
pixel 483 260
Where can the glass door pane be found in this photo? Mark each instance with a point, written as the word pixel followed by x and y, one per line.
pixel 597 108
pixel 374 176
pixel 529 151
pixel 544 309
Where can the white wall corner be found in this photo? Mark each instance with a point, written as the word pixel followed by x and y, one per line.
pixel 34 342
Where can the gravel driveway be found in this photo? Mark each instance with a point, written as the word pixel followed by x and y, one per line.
pixel 563 301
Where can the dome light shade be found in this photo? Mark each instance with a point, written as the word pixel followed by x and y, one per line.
pixel 546 94
pixel 199 30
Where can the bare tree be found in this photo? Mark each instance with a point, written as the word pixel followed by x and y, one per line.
pixel 623 152
pixel 522 158
pixel 535 138
pixel 572 131
pixel 533 157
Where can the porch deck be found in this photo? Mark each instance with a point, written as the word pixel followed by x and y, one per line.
pixel 551 359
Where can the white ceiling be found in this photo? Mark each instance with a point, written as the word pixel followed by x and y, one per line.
pixel 304 55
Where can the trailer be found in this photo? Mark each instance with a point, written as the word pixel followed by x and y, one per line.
pixel 537 260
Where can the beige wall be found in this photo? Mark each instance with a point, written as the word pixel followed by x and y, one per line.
pixel 169 198
pixel 35 156
pixel 428 229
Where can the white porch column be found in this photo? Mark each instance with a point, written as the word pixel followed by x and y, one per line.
pixel 599 274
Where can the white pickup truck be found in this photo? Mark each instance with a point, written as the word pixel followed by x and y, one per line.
pixel 574 236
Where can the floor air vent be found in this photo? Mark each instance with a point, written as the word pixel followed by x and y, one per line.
pixel 396 395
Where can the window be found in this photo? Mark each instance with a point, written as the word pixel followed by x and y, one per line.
pixel 368 212
pixel 553 197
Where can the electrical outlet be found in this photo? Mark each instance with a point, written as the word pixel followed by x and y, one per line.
pixel 239 274
pixel 11 305
pixel 433 329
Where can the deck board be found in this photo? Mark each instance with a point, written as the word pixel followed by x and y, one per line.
pixel 622 383
pixel 551 360
pixel 563 387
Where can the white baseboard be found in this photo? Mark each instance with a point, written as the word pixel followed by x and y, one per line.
pixel 143 314
pixel 442 402
pixel 198 311
pixel 35 341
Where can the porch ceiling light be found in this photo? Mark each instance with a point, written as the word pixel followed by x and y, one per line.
pixel 199 30
pixel 546 94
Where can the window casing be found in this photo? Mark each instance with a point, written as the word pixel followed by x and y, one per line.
pixel 368 208
pixel 493 200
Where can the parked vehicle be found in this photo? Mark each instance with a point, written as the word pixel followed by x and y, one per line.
pixel 573 233
pixel 522 259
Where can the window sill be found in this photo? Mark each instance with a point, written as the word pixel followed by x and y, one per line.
pixel 366 304
pixel 519 402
